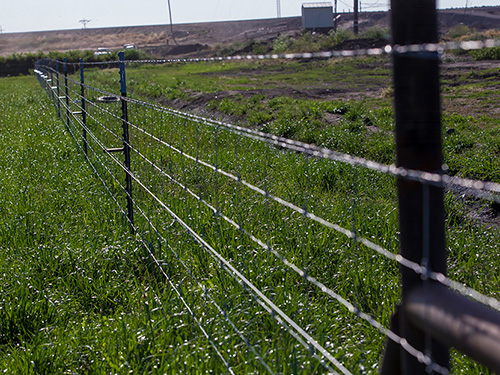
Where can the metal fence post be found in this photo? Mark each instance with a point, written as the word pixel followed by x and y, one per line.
pixel 66 92
pixel 418 146
pixel 58 95
pixel 126 141
pixel 49 73
pixel 84 111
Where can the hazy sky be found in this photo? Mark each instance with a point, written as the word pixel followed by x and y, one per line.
pixel 35 15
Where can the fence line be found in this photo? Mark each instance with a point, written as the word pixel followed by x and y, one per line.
pixel 300 334
pixel 477 188
pixel 153 257
pixel 423 48
pixel 299 147
pixel 258 295
pixel 481 189
pixel 272 309
pixel 350 234
pixel 319 352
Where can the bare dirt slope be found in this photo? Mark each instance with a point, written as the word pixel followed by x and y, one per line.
pixel 198 37
pixel 146 36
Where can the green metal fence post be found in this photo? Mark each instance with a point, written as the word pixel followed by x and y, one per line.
pixel 126 141
pixel 58 94
pixel 66 92
pixel 84 110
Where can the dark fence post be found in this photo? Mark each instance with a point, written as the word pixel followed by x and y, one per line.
pixel 356 17
pixel 418 146
pixel 48 66
pixel 66 92
pixel 126 141
pixel 84 111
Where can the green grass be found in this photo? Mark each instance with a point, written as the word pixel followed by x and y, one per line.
pixel 363 128
pixel 79 294
pixel 339 193
pixel 76 293
pixel 267 96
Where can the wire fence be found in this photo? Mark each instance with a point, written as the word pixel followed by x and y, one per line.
pixel 285 254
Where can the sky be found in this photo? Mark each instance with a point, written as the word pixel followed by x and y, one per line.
pixel 36 15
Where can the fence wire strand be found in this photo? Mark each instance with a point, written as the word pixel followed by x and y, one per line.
pixel 424 51
pixel 302 336
pixel 481 189
pixel 487 190
pixel 170 281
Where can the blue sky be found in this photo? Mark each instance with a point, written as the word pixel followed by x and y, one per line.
pixel 36 15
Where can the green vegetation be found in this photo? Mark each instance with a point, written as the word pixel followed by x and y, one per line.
pixel 464 33
pixel 272 96
pixel 350 197
pixel 23 63
pixel 305 41
pixel 359 128
pixel 81 295
pixel 459 31
pixel 315 42
pixel 486 54
pixel 76 294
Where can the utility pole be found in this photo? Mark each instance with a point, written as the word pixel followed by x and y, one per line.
pixel 84 22
pixel 278 8
pixel 465 11
pixel 468 3
pixel 356 17
pixel 1 29
pixel 335 19
pixel 171 23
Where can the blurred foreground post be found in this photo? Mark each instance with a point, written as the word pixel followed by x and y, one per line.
pixel 419 147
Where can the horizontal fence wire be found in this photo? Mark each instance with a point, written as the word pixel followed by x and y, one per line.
pixel 344 302
pixel 476 188
pixel 480 189
pixel 158 263
pixel 414 49
pixel 415 266
pixel 301 336
pixel 153 257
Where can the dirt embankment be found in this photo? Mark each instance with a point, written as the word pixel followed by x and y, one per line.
pixel 156 38
pixel 197 38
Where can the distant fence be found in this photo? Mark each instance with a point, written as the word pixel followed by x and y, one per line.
pixel 215 201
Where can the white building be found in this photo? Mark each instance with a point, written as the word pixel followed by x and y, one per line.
pixel 317 15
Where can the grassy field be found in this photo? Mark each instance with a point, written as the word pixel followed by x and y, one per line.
pixel 76 293
pixel 81 295
pixel 345 105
